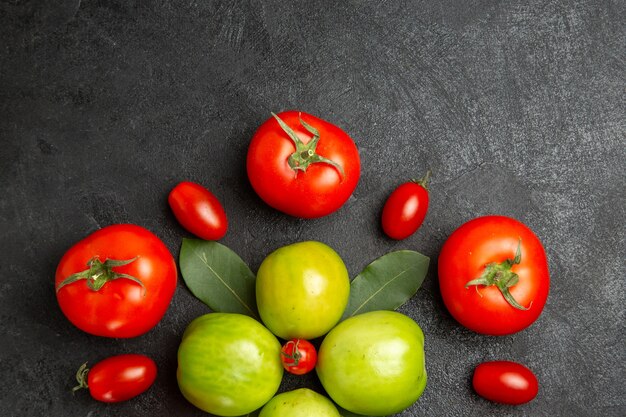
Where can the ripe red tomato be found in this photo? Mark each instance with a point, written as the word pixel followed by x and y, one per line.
pixel 493 275
pixel 117 378
pixel 299 356
pixel 406 208
pixel 198 211
pixel 117 282
pixel 302 165
pixel 505 382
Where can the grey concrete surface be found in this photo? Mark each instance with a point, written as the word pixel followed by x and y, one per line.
pixel 517 107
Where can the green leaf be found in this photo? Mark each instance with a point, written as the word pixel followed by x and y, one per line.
pixel 387 283
pixel 218 277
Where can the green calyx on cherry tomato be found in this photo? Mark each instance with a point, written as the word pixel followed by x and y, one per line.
pixel 123 296
pixel 505 263
pixel 117 378
pixel 405 209
pixel 198 211
pixel 302 165
pixel 299 356
pixel 505 382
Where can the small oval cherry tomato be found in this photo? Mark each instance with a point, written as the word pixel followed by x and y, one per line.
pixel 505 382
pixel 198 211
pixel 117 378
pixel 406 208
pixel 298 356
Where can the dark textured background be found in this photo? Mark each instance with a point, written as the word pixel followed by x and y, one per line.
pixel 517 108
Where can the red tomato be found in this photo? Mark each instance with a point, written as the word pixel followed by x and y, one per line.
pixel 505 382
pixel 406 208
pixel 302 165
pixel 117 378
pixel 117 282
pixel 198 211
pixel 298 356
pixel 493 275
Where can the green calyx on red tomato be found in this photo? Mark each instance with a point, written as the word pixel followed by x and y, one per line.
pixel 99 273
pixel 302 165
pixel 501 275
pixel 507 263
pixel 298 356
pixel 305 153
pixel 124 296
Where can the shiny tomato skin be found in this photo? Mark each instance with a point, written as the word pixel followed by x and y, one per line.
pixel 228 364
pixel 121 377
pixel 302 290
pixel 464 256
pixel 198 211
pixel 405 210
pixel 121 308
pixel 298 356
pixel 505 382
pixel 318 191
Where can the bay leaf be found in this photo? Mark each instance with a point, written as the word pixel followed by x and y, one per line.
pixel 218 277
pixel 387 283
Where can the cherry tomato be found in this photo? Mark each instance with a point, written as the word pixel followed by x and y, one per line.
pixel 406 208
pixel 505 382
pixel 198 211
pixel 117 282
pixel 117 378
pixel 493 275
pixel 299 356
pixel 302 165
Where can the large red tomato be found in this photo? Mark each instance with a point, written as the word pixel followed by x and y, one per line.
pixel 493 275
pixel 302 165
pixel 117 282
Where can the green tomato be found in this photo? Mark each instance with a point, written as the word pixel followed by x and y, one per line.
pixel 373 363
pixel 228 364
pixel 302 290
pixel 300 403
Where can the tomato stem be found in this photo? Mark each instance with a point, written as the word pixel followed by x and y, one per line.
pixel 424 180
pixel 295 354
pixel 501 275
pixel 99 273
pixel 81 378
pixel 305 153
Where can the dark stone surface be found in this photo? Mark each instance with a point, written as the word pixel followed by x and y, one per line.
pixel 517 108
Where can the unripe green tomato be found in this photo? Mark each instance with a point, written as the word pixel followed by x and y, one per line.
pixel 300 403
pixel 228 364
pixel 373 363
pixel 302 290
